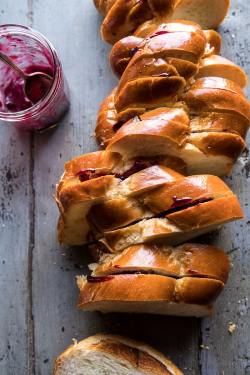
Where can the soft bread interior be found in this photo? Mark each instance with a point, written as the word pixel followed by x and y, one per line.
pixel 207 13
pixel 109 354
pixel 75 197
pixel 94 362
pixel 121 211
pixel 176 227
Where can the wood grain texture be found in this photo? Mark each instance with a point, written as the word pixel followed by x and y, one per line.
pixel 15 233
pixel 29 251
pixel 230 353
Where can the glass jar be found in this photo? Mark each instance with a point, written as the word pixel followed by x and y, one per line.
pixel 32 52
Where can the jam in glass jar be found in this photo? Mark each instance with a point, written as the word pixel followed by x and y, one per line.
pixel 32 53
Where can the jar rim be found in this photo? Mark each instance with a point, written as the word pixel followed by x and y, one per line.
pixel 38 107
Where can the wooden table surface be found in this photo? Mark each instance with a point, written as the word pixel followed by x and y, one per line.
pixel 38 318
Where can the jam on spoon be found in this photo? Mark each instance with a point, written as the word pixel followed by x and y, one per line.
pixel 36 85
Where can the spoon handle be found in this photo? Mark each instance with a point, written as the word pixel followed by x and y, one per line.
pixel 9 62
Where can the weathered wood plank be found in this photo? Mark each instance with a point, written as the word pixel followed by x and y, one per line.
pixel 73 31
pixel 56 320
pixel 230 354
pixel 15 232
pixel 73 28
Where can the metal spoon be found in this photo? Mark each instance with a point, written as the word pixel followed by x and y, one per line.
pixel 36 85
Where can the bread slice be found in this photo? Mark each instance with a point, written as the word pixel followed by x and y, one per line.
pixel 189 259
pixel 75 196
pixel 217 94
pixel 109 354
pixel 124 50
pixel 154 77
pixel 213 43
pixel 176 227
pixel 182 281
pixel 218 66
pixel 212 115
pixel 154 294
pixel 170 196
pixel 207 13
pixel 123 17
pixel 118 193
pixel 157 132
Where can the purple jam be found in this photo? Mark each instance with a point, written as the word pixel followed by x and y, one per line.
pixel 138 166
pixel 157 33
pixel 99 279
pixel 193 272
pixel 117 126
pixel 179 202
pixel 133 51
pixel 88 174
pixel 186 202
pixel 30 56
pixel 40 103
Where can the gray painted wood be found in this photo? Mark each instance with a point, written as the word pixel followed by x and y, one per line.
pixel 15 233
pixel 230 354
pixel 46 287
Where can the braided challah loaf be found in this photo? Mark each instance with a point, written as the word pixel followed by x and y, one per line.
pixel 143 200
pixel 125 17
pixel 176 97
pixel 156 279
pixel 178 110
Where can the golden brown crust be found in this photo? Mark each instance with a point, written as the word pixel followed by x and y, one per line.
pixel 105 202
pixel 176 227
pixel 219 122
pixel 139 360
pixel 168 126
pixel 151 78
pixel 123 17
pixel 138 355
pixel 218 66
pixel 176 56
pixel 215 212
pixel 213 42
pixel 75 197
pixel 148 288
pixel 185 260
pixel 218 95
pixel 176 194
pixel 106 120
pixel 218 143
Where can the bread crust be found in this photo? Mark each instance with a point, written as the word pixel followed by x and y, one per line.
pixel 119 212
pixel 75 198
pixel 123 17
pixel 147 289
pixel 139 355
pixel 176 69
pixel 218 66
pixel 176 227
pixel 190 259
pixel 106 203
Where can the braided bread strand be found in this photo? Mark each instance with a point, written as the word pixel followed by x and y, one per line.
pixel 125 17
pixel 176 96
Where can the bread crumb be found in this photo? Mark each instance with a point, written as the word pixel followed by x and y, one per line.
pixel 231 327
pixel 206 347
